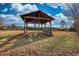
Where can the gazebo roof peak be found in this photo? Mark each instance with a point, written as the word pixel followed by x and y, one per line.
pixel 37 16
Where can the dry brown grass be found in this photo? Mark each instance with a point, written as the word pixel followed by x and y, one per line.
pixel 63 43
pixel 35 48
pixel 10 32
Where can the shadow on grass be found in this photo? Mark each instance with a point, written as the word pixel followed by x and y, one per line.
pixel 22 40
pixel 2 37
pixel 29 39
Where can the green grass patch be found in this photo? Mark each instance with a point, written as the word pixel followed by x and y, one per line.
pixel 28 39
pixel 2 37
pixel 65 42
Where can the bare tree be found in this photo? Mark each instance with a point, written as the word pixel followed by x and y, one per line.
pixel 1 25
pixel 14 26
pixel 63 24
pixel 74 10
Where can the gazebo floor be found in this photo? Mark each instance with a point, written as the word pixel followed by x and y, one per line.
pixel 37 33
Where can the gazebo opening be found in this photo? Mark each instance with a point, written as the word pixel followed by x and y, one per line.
pixel 40 22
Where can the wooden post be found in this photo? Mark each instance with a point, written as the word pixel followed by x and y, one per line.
pixel 38 27
pixel 50 26
pixel 50 29
pixel 45 27
pixel 34 27
pixel 24 27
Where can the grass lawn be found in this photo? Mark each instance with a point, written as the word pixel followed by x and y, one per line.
pixel 5 34
pixel 64 40
pixel 10 32
pixel 62 43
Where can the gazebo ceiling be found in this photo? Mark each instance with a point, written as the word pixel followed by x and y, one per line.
pixel 37 16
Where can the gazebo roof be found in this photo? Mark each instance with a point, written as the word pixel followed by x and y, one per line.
pixel 36 16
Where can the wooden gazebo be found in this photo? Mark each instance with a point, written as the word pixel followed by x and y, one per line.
pixel 37 17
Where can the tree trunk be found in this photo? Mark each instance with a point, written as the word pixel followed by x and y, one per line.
pixel 76 26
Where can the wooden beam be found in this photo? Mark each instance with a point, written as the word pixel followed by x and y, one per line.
pixel 40 18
